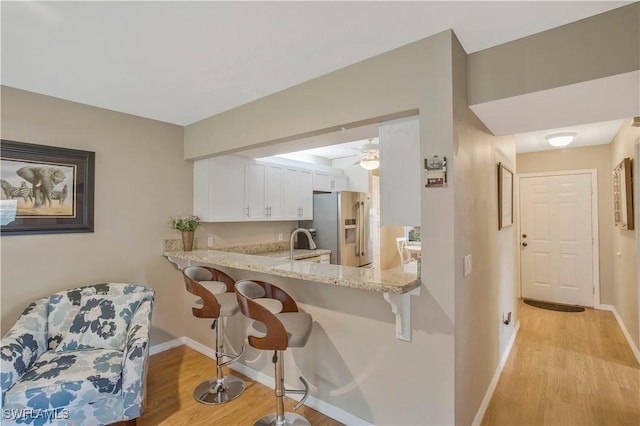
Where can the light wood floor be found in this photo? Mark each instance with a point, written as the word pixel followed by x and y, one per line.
pixel 174 374
pixel 567 369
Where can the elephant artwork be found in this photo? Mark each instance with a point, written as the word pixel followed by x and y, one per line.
pixel 43 180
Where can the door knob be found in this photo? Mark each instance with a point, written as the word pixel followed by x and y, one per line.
pixel 524 244
pixel 524 235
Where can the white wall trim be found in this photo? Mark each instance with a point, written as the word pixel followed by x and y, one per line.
pixel 595 247
pixel 496 376
pixel 264 379
pixel 630 341
pixel 161 347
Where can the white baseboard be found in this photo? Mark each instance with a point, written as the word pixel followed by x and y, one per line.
pixel 630 341
pixel 264 379
pixel 496 376
pixel 156 349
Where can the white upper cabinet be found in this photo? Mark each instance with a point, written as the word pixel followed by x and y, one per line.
pixel 329 182
pixel 234 189
pixel 274 190
pixel 219 189
pixel 256 200
pixel 298 194
pixel 400 172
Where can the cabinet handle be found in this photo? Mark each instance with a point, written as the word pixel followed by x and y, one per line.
pixel 269 211
pixel 247 209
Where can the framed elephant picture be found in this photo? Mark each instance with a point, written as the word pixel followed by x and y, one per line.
pixel 45 189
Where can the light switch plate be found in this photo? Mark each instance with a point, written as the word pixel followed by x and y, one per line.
pixel 467 265
pixel 209 241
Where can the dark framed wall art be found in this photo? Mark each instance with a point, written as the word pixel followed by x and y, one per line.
pixel 45 189
pixel 505 196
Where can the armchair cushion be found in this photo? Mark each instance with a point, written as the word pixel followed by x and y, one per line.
pixel 101 322
pixel 63 308
pixel 62 380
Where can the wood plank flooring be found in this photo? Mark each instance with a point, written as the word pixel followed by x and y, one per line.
pixel 567 369
pixel 174 374
pixel 564 369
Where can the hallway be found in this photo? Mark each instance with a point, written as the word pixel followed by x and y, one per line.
pixel 567 369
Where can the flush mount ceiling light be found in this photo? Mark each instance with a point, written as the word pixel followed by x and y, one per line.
pixel 559 140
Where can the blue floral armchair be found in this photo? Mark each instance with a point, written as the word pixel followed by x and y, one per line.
pixel 78 357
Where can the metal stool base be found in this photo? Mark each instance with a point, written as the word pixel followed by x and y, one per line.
pixel 213 392
pixel 289 419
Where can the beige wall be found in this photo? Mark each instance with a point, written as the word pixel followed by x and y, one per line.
pixel 354 329
pixel 489 290
pixel 235 234
pixel 600 46
pixel 625 287
pixel 593 157
pixel 140 180
pixel 473 305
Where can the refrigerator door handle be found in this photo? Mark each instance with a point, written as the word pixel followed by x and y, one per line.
pixel 362 229
pixel 357 229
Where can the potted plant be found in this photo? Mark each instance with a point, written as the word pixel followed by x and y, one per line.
pixel 186 225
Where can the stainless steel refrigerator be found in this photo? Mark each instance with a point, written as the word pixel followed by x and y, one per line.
pixel 343 225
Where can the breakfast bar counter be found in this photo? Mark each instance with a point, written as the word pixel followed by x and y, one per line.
pixel 389 281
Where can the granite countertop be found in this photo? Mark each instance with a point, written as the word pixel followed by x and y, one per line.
pixel 298 254
pixel 392 281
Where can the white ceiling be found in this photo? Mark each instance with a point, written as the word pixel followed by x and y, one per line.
pixel 586 135
pixel 181 62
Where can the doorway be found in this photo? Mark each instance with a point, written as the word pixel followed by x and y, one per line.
pixel 558 237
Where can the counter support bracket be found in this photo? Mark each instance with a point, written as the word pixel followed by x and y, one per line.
pixel 401 307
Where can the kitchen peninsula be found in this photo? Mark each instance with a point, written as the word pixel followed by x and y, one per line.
pixel 396 284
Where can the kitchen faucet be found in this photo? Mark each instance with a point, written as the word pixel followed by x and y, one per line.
pixel 312 244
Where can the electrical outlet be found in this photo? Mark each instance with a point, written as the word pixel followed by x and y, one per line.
pixel 210 241
pixel 280 236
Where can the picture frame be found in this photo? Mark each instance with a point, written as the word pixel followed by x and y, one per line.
pixel 45 189
pixel 623 195
pixel 505 196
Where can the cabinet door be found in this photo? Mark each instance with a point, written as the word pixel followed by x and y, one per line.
pixel 305 194
pixel 291 191
pixel 274 189
pixel 321 181
pixel 256 183
pixel 226 187
pixel 298 194
pixel 339 183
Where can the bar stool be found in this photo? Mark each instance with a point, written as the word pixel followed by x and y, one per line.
pixel 217 301
pixel 277 325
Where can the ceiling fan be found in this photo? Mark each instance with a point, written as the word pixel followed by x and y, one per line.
pixel 369 156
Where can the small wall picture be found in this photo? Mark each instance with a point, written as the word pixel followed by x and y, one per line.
pixel 623 195
pixel 505 196
pixel 49 188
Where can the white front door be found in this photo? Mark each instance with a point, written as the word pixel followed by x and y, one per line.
pixel 556 239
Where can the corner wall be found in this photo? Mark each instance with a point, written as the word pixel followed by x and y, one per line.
pixel 625 268
pixel 140 180
pixel 481 338
pixel 353 359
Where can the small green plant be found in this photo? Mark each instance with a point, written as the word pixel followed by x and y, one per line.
pixel 188 223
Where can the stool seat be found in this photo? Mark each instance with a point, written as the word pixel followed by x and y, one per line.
pixel 215 287
pixel 296 324
pixel 228 304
